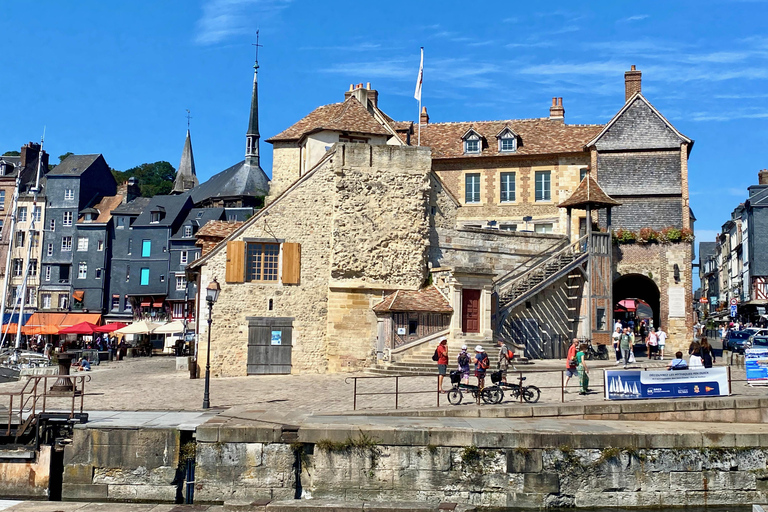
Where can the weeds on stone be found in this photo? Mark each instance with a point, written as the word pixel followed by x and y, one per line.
pixel 187 451
pixel 432 449
pixel 363 444
pixel 608 454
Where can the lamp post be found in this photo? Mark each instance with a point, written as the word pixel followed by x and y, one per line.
pixel 211 294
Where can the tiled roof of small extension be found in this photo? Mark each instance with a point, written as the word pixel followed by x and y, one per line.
pixel 536 136
pixel 428 300
pixel 104 207
pixel 218 229
pixel 349 116
pixel 588 193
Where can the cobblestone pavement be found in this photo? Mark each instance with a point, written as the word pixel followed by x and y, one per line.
pixel 154 384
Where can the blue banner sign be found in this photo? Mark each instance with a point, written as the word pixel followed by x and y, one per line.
pixel 277 337
pixel 640 385
pixel 756 363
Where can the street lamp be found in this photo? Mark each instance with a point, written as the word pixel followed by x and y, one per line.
pixel 211 294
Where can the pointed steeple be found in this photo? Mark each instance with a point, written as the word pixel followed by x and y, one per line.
pixel 186 178
pixel 252 136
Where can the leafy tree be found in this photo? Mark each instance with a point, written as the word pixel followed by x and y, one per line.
pixel 11 153
pixel 156 178
pixel 65 155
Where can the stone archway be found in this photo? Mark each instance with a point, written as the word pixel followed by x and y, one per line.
pixel 638 286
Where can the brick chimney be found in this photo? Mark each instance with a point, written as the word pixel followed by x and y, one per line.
pixel 29 155
pixel 363 94
pixel 132 190
pixel 556 111
pixel 762 177
pixel 632 83
pixel 423 116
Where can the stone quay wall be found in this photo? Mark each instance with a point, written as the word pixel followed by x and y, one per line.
pixel 24 473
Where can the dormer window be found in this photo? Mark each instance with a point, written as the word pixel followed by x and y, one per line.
pixel 187 231
pixel 473 142
pixel 3 166
pixel 507 140
pixel 154 217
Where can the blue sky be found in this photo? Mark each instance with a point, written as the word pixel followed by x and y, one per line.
pixel 117 77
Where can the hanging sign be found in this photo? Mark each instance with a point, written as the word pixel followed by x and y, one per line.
pixel 639 385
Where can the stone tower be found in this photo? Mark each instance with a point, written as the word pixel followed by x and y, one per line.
pixel 186 178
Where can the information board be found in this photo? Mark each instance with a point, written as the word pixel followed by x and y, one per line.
pixel 640 385
pixel 756 363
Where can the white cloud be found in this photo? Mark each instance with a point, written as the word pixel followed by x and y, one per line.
pixel 222 19
pixel 636 17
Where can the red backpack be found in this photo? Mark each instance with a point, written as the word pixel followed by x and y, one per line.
pixel 484 363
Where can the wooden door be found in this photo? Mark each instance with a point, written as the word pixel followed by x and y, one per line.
pixel 470 311
pixel 270 344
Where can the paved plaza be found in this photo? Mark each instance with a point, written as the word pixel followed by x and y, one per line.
pixel 153 384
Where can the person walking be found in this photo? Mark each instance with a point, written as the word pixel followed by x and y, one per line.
pixel 616 339
pixel 504 360
pixel 464 360
pixel 707 356
pixel 571 364
pixel 662 337
pixel 652 344
pixel 481 366
pixel 442 362
pixel 625 344
pixel 694 360
pixel 582 369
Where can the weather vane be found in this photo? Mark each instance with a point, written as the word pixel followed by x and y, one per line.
pixel 188 118
pixel 257 45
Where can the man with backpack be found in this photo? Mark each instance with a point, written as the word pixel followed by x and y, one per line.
pixel 441 357
pixel 505 357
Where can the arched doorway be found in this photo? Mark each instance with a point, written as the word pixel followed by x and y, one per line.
pixel 638 286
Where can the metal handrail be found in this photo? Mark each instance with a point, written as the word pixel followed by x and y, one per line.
pixel 572 248
pixel 28 399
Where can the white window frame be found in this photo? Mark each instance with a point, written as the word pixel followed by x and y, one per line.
pixel 472 196
pixel 32 268
pixel 82 243
pixel 2 199
pixel 47 272
pixel 187 231
pixel 470 142
pixel 184 257
pixel 154 217
pixel 82 270
pixel 67 219
pixel 18 267
pixel 37 213
pixel 546 194
pixel 52 225
pixel 100 245
pixel 63 301
pixel 504 189
pixel 115 303
pixel 49 251
pixel 507 137
pixel 181 283
pixel 66 247
pixel 45 299
pixel 22 214
pixel 69 194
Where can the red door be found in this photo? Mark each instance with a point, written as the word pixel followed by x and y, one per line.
pixel 470 311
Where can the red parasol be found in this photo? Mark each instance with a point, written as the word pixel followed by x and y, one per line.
pixel 110 327
pixel 81 328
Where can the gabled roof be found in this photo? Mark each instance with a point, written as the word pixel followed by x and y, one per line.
pixel 349 116
pixel 239 180
pixel 218 229
pixel 638 97
pixel 198 217
pixel 536 137
pixel 506 129
pixel 186 177
pixel 133 207
pixel 427 300
pixel 74 165
pixel 173 206
pixel 104 209
pixel 706 249
pixel 588 193
pixel 470 132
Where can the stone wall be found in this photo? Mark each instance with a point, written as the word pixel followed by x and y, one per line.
pixel 26 479
pixel 286 168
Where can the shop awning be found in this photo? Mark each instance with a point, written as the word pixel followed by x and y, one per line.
pixel 78 295
pixel 43 323
pixel 157 305
pixel 10 328
pixel 146 304
pixel 13 318
pixel 75 318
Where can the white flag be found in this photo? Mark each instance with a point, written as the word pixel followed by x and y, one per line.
pixel 417 94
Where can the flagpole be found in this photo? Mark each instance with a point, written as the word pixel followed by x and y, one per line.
pixel 418 116
pixel 417 94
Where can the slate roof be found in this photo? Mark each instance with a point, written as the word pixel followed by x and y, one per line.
pixel 134 207
pixel 349 116
pixel 105 207
pixel 198 217
pixel 172 206
pixel 239 180
pixel 588 193
pixel 428 300
pixel 218 229
pixel 74 165
pixel 535 137
pixel 706 249
pixel 186 177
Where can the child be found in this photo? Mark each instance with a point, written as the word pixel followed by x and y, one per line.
pixel 464 361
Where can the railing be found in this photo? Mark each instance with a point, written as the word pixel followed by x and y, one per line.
pixel 397 392
pixel 32 399
pixel 574 248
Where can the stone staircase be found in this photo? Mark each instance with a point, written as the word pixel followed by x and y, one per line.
pixel 418 361
pixel 514 290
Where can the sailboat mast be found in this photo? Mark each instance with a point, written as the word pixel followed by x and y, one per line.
pixel 14 213
pixel 30 232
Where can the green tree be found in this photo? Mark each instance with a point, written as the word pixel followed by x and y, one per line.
pixel 65 155
pixel 11 153
pixel 156 178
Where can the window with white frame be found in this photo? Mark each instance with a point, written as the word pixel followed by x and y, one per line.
pixel 507 141
pixel 545 227
pixel 82 243
pixel 35 238
pixel 45 298
pixel 66 243
pixel 2 199
pixel 33 268
pixel 472 143
pixel 22 214
pixel 52 225
pixel 181 282
pixel 47 272
pixel 1 226
pixel 49 250
pixel 31 296
pixel 20 239
pixel 98 273
pixel 67 221
pixel 82 270
pixel 178 310
pixel 115 302
pixel 507 187
pixel 184 258
pixel 69 194
pixel 472 188
pixel 508 227
pixel 128 306
pixel 37 213
pixel 100 245
pixel 18 267
pixel 187 231
pixel 63 301
pixel 154 217
pixel 543 186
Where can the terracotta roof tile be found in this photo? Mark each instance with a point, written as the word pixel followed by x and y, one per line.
pixel 218 228
pixel 588 192
pixel 350 116
pixel 427 300
pixel 536 136
pixel 105 207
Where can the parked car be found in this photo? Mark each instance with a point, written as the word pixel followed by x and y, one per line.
pixel 735 340
pixel 757 341
pixel 756 331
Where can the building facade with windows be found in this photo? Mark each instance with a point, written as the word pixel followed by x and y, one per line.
pixel 30 222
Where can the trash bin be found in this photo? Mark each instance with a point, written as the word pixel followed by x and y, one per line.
pixel 193 369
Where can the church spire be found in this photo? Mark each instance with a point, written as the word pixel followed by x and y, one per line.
pixel 186 178
pixel 252 136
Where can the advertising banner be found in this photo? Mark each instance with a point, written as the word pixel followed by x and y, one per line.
pixel 756 363
pixel 640 385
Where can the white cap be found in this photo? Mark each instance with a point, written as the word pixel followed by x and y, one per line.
pixel 479 348
pixel 463 347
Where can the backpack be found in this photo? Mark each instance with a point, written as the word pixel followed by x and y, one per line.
pixel 435 357
pixel 509 355
pixel 463 359
pixel 484 364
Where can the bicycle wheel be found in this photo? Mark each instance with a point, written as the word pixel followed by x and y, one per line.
pixel 531 394
pixel 488 395
pixel 498 394
pixel 454 396
pixel 603 355
pixel 588 355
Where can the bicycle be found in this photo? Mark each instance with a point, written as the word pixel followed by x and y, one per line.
pixel 489 395
pixel 531 394
pixel 601 352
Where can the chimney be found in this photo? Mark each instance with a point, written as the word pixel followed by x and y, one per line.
pixel 556 111
pixel 632 83
pixel 29 155
pixel 364 94
pixel 133 191
pixel 423 116
pixel 762 177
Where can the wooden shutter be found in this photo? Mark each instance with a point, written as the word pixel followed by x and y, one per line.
pixel 235 272
pixel 291 263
